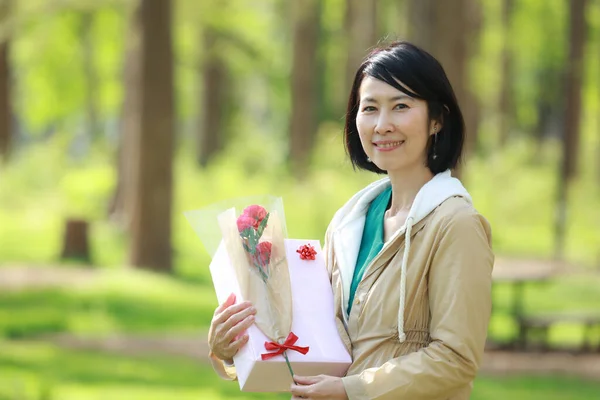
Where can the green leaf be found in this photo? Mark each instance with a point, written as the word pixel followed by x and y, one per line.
pixel 263 225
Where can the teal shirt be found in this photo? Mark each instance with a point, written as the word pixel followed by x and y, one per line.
pixel 372 239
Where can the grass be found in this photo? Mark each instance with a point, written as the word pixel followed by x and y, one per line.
pixel 134 301
pixel 527 387
pixel 30 369
pixel 36 371
pixel 118 301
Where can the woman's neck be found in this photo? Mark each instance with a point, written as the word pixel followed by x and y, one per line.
pixel 405 186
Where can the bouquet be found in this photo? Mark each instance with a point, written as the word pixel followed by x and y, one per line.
pixel 254 241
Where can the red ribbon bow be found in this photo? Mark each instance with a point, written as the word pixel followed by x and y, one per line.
pixel 307 252
pixel 280 348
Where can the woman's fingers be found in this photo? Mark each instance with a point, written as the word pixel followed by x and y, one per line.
pixel 300 392
pixel 237 344
pixel 239 328
pixel 230 320
pixel 229 311
pixel 228 302
pixel 238 317
pixel 307 380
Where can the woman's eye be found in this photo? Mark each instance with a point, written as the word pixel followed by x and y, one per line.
pixel 401 106
pixel 368 109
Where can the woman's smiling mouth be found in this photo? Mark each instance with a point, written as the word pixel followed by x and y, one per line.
pixel 388 145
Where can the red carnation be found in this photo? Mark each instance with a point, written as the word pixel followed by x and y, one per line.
pixel 257 213
pixel 263 253
pixel 244 222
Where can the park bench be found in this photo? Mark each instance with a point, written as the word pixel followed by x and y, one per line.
pixel 539 325
pixel 534 328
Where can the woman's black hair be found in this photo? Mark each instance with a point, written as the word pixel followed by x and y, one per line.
pixel 424 75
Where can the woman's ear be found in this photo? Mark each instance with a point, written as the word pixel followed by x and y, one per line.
pixel 435 127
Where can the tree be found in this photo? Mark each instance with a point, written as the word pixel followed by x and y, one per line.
pixel 5 98
pixel 572 89
pixel 472 106
pixel 447 30
pixel 361 34
pixel 91 78
pixel 303 123
pixel 121 206
pixel 152 138
pixel 506 71
pixel 214 97
pixel 422 23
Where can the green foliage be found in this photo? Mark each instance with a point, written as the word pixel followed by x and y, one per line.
pixel 38 190
pixel 517 194
pixel 47 54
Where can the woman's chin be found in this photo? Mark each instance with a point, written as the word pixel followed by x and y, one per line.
pixel 387 166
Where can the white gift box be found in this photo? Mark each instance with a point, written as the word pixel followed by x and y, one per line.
pixel 313 323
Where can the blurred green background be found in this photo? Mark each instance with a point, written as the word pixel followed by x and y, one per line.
pixel 116 116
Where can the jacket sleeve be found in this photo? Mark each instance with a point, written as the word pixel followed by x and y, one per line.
pixel 460 284
pixel 227 372
pixel 327 252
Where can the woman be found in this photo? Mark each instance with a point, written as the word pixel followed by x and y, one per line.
pixel 409 257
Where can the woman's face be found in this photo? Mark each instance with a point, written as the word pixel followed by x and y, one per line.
pixel 393 127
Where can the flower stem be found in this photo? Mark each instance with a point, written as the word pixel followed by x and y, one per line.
pixel 263 276
pixel 289 366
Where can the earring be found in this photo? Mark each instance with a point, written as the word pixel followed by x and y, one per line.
pixel 434 142
pixel 369 160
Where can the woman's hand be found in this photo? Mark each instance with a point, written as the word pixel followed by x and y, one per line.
pixel 318 387
pixel 230 320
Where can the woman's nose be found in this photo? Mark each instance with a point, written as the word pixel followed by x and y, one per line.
pixel 384 124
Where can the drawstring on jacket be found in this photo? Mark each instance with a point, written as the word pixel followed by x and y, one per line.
pixel 401 333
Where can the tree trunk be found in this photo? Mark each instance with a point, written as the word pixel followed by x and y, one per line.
pixel 577 35
pixel 361 34
pixel 214 79
pixel 121 207
pixel 568 170
pixel 153 140
pixel 446 29
pixel 422 23
pixel 303 122
pixel 91 79
pixel 75 242
pixel 506 98
pixel 450 48
pixel 471 107
pixel 5 99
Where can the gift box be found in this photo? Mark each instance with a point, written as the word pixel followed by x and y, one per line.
pixel 313 323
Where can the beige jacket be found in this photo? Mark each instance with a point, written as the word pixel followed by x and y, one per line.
pixel 447 301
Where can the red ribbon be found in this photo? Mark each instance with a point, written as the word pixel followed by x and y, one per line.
pixel 280 348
